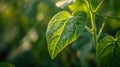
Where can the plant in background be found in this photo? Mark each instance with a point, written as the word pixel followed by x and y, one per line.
pixel 64 28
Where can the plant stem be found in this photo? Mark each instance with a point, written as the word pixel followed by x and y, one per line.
pixel 99 6
pixel 88 29
pixel 94 27
pixel 92 17
pixel 101 29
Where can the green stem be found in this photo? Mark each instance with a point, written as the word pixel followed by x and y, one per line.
pixel 94 28
pixel 99 6
pixel 88 29
pixel 92 16
pixel 101 29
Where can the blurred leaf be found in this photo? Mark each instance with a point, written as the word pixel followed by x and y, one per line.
pixel 83 45
pixel 108 51
pixel 113 17
pixel 110 8
pixel 63 30
pixel 113 22
pixel 64 3
pixel 79 5
pixel 6 65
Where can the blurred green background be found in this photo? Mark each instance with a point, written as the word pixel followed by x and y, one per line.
pixel 23 25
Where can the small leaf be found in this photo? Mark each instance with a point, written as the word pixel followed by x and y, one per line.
pixel 108 51
pixel 63 30
pixel 6 65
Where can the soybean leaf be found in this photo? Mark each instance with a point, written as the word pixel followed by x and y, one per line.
pixel 6 65
pixel 63 29
pixel 108 51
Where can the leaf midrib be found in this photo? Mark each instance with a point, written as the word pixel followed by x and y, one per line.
pixel 53 53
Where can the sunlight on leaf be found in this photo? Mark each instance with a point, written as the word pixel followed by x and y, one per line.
pixel 64 3
pixel 63 30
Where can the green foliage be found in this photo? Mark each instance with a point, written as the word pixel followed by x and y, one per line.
pixel 63 29
pixel 6 65
pixel 23 26
pixel 108 51
pixel 78 5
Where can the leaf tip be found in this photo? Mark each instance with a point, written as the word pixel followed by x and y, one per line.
pixel 53 56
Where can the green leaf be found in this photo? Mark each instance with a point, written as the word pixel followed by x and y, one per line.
pixel 108 51
pixel 78 5
pixel 63 29
pixel 6 65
